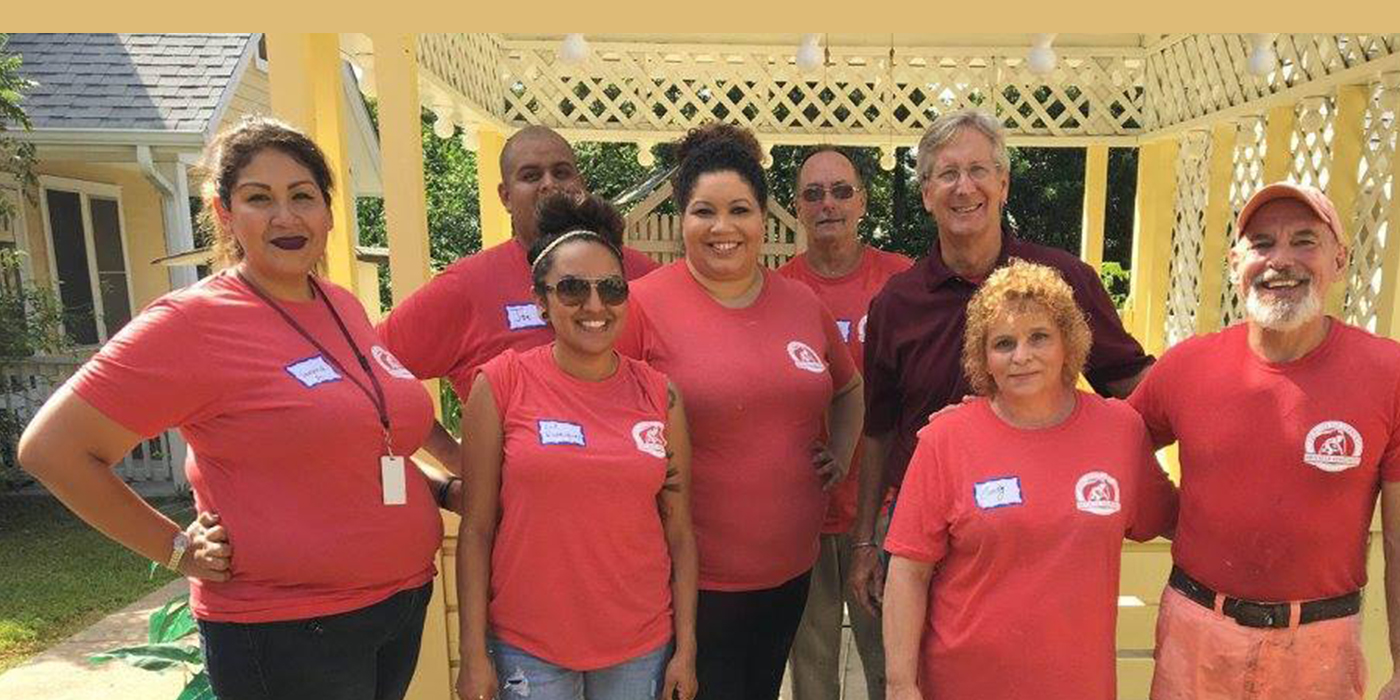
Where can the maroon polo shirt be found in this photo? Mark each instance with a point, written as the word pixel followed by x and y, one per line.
pixel 914 336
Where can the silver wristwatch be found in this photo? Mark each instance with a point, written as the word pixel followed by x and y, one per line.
pixel 177 550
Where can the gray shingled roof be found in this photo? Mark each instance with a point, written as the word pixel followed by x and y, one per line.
pixel 167 82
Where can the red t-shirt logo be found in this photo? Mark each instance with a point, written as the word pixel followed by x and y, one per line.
pixel 1097 493
pixel 1333 446
pixel 805 357
pixel 650 436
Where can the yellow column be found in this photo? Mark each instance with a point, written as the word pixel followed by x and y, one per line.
pixel 1278 142
pixel 1217 219
pixel 304 76
pixel 1095 203
pixel 406 217
pixel 1388 301
pixel 1152 242
pixel 1342 181
pixel 495 220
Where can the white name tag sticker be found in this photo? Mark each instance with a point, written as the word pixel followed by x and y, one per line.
pixel 558 432
pixel 313 371
pixel 392 478
pixel 522 316
pixel 845 327
pixel 998 493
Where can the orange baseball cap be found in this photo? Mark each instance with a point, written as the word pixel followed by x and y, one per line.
pixel 1311 196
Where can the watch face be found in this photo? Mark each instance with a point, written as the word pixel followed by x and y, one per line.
pixel 182 541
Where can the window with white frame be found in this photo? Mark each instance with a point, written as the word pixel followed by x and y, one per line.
pixel 87 256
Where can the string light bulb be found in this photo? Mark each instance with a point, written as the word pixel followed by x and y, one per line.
pixel 809 52
pixel 1041 59
pixel 574 49
pixel 1262 57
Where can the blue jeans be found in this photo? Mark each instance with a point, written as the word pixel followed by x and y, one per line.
pixel 523 675
pixel 365 654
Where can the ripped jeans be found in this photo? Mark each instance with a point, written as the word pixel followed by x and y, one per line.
pixel 523 676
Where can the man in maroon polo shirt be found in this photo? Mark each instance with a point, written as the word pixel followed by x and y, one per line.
pixel 914 331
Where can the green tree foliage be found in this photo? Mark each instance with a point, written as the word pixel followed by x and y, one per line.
pixel 16 157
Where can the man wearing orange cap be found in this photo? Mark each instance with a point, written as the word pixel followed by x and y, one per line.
pixel 1288 426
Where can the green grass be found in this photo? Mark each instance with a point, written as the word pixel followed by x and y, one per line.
pixel 59 575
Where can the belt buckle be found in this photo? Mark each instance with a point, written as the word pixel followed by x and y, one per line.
pixel 1257 615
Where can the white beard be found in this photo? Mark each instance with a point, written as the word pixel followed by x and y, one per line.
pixel 1281 315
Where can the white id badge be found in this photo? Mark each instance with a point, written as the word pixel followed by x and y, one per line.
pixel 391 476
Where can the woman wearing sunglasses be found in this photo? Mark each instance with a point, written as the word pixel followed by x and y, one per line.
pixel 577 563
pixel 765 373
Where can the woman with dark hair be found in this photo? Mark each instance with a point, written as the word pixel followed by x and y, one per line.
pixel 299 423
pixel 774 404
pixel 576 556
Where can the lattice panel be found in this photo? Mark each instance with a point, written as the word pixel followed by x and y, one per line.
pixel 1370 234
pixel 468 64
pixel 1311 143
pixel 1199 74
pixel 1246 178
pixel 862 92
pixel 1188 232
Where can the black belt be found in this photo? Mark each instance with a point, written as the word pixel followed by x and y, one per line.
pixel 1251 614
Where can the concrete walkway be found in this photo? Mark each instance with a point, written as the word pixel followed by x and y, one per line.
pixel 63 672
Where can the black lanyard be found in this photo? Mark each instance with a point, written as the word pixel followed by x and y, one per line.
pixel 377 397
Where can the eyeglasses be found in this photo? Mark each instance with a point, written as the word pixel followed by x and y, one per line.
pixel 816 193
pixel 574 291
pixel 977 172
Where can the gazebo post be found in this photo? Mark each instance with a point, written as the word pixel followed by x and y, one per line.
pixel 1388 301
pixel 1278 142
pixel 304 78
pixel 406 218
pixel 1095 204
pixel 1342 184
pixel 1215 241
pixel 1152 242
pixel 495 220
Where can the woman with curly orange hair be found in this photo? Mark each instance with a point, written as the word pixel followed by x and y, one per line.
pixel 1006 537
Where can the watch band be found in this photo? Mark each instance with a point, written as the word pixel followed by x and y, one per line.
pixel 177 551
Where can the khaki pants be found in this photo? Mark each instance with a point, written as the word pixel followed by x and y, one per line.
pixel 815 662
pixel 1203 655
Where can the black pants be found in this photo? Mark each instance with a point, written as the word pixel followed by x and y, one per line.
pixel 743 639
pixel 365 654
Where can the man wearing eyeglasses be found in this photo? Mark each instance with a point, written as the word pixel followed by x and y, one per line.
pixel 915 329
pixel 845 273
pixel 482 304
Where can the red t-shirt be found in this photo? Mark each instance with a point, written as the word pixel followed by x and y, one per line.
pixel 1280 463
pixel 848 298
pixel 471 311
pixel 1026 527
pixel 283 446
pixel 756 383
pixel 580 571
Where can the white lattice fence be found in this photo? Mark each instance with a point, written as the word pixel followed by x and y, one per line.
pixel 1311 142
pixel 1246 177
pixel 467 64
pixel 1375 192
pixel 1195 75
pixel 660 91
pixel 1188 230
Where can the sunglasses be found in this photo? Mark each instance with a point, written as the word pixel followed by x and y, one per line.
pixel 574 291
pixel 817 193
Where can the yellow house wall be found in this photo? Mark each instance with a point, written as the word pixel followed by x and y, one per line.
pixel 142 226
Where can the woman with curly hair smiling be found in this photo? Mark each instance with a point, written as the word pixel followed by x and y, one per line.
pixel 1007 534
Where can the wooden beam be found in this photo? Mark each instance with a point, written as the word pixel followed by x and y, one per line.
pixel 304 76
pixel 1152 243
pixel 1214 243
pixel 1095 205
pixel 495 219
pixel 406 219
pixel 1343 183
pixel 1278 142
